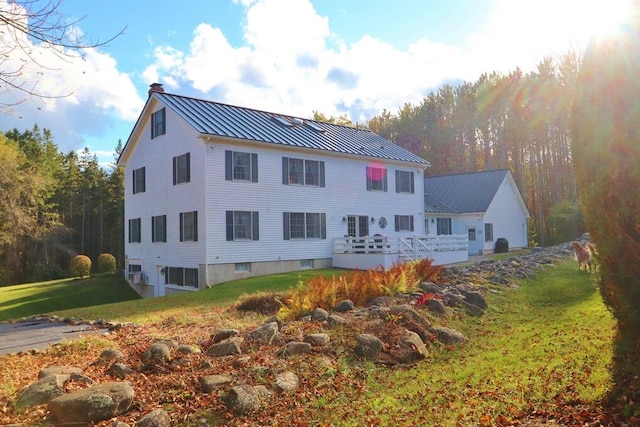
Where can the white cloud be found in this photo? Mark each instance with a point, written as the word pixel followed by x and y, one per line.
pixel 293 64
pixel 74 96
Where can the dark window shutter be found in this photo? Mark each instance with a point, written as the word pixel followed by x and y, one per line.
pixel 163 115
pixel 129 231
pixel 397 223
pixel 285 171
pixel 144 179
pixel 188 167
pixel 413 188
pixel 255 223
pixel 175 170
pixel 133 175
pixel 368 178
pixel 229 226
pixel 195 226
pixel 228 166
pixel 181 227
pixel 411 223
pixel 397 181
pixel 322 174
pixel 254 167
pixel 323 225
pixel 153 229
pixel 285 225
pixel 153 125
pixel 384 182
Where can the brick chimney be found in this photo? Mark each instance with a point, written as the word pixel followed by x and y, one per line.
pixel 155 87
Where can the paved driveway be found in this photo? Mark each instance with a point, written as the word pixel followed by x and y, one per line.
pixel 38 334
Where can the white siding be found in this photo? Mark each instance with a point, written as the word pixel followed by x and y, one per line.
pixel 163 198
pixel 344 194
pixel 507 216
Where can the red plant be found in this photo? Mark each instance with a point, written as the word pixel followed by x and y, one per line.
pixel 422 299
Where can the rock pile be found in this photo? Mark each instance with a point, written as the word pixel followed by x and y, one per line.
pixel 246 369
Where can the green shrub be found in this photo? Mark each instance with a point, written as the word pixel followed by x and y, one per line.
pixel 106 263
pixel 80 265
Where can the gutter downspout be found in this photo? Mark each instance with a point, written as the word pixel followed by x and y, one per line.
pixel 206 211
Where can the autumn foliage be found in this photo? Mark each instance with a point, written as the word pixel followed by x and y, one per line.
pixel 358 286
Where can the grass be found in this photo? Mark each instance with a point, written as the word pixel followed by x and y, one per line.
pixel 31 299
pixel 545 344
pixel 111 297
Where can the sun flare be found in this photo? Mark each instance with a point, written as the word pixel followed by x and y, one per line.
pixel 557 24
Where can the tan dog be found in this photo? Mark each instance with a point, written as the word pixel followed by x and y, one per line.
pixel 584 254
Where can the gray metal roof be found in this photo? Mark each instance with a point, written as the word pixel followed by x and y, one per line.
pixel 216 119
pixel 462 193
pixel 434 205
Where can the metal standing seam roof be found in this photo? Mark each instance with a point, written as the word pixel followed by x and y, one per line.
pixel 462 193
pixel 216 119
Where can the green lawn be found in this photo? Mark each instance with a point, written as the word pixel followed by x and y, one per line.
pixel 113 299
pixel 546 343
pixel 46 297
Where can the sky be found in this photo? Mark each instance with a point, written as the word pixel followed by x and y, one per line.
pixel 294 57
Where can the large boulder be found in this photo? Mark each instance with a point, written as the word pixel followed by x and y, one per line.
pixel 226 348
pixel 158 353
pixel 242 399
pixel 157 418
pixel 263 335
pixel 92 404
pixel 293 348
pixel 411 348
pixel 410 319
pixel 368 346
pixel 286 381
pixel 210 383
pixel 42 391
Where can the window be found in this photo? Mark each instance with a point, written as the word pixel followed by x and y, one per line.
pixel 179 276
pixel 139 180
pixel 135 235
pixel 301 225
pixel 404 222
pixel 158 123
pixel 135 268
pixel 376 179
pixel 243 225
pixel 471 233
pixel 189 226
pixel 404 182
pixel 159 228
pixel 241 166
pixel 444 226
pixel 306 263
pixel 182 169
pixel 242 267
pixel 488 232
pixel 302 172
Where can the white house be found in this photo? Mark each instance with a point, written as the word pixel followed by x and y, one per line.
pixel 216 192
pixel 485 206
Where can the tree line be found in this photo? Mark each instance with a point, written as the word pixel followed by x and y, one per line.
pixel 519 121
pixel 53 206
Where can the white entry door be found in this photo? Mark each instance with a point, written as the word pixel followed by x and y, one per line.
pixel 357 225
pixel 475 245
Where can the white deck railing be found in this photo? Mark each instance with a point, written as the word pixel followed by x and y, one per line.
pixel 424 245
pixel 372 252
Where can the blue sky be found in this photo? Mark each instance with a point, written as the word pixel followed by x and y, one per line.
pixel 354 57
